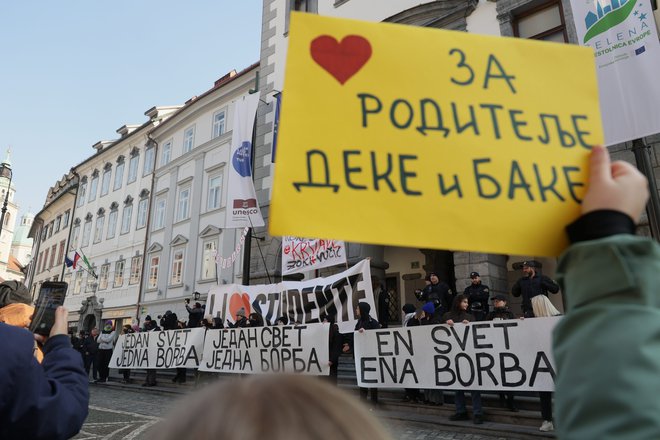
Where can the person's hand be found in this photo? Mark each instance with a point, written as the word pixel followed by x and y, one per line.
pixel 465 321
pixel 616 186
pixel 330 363
pixel 59 327
pixel 361 330
pixel 450 322
pixel 345 348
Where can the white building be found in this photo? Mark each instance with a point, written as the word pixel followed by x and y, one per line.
pixel 21 245
pixel 188 202
pixel 50 233
pixel 9 267
pixel 109 226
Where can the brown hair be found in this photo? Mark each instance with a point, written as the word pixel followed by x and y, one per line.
pixel 274 407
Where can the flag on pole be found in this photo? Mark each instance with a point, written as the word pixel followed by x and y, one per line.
pixel 68 261
pixel 76 257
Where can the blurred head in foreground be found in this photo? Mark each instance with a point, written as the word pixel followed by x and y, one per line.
pixel 275 407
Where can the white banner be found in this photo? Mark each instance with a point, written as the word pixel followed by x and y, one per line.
pixel 164 349
pixel 242 207
pixel 301 254
pixel 278 349
pixel 300 301
pixel 625 42
pixel 492 355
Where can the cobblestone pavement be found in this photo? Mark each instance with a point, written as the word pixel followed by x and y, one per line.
pixel 116 414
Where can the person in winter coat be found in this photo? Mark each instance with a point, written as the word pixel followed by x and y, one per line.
pixel 459 314
pixel 364 322
pixel 195 314
pixel 106 342
pixel 606 347
pixel 47 401
pixel 241 320
pixel 439 293
pixel 90 350
pixel 533 285
pixel 150 326
pixel 501 311
pixel 336 344
pixel 478 294
pixel 127 329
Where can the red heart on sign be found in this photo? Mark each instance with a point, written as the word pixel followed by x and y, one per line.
pixel 341 59
pixel 238 301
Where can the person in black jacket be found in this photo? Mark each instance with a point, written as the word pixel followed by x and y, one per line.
pixel 150 326
pixel 195 314
pixel 90 350
pixel 532 284
pixel 364 322
pixel 241 320
pixel 335 341
pixel 439 293
pixel 477 294
pixel 459 314
pixel 501 311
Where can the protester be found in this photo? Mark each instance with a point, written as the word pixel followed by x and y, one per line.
pixel 41 401
pixel 501 311
pixel 256 320
pixel 432 396
pixel 91 348
pixel 364 322
pixel 150 326
pixel 217 322
pixel 459 314
pixel 382 298
pixel 414 319
pixel 438 293
pixel 195 314
pixel 106 342
pixel 127 329
pixel 279 408
pixel 477 294
pixel 282 320
pixel 606 347
pixel 534 288
pixel 241 320
pixel 336 343
pixel 408 312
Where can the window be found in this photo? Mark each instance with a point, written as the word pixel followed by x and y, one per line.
pixel 136 270
pixel 119 175
pixel 74 236
pixel 183 207
pixel 166 153
pixel 159 213
pixel 148 161
pixel 545 22
pixel 142 213
pixel 208 260
pixel 58 221
pixel 53 251
pixel 112 223
pixel 94 186
pixel 304 6
pixel 82 192
pixel 87 230
pixel 40 262
pixel 78 283
pixel 176 276
pixel 215 194
pixel 153 272
pixel 45 266
pixel 67 215
pixel 133 168
pixel 126 219
pixel 60 254
pixel 50 227
pixel 98 229
pixel 105 183
pixel 103 276
pixel 188 139
pixel 119 273
pixel 219 123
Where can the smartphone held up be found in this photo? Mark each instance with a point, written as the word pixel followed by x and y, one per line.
pixel 51 296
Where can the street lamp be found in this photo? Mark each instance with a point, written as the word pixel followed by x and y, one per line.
pixel 5 171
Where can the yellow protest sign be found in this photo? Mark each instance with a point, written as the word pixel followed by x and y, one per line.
pixel 418 137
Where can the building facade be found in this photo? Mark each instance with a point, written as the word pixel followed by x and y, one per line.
pixel 9 269
pixel 187 224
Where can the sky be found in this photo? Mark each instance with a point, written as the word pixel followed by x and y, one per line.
pixel 74 71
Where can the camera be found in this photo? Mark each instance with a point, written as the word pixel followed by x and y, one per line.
pixel 187 300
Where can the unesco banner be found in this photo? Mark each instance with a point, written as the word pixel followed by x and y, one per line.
pixel 164 349
pixel 278 349
pixel 623 36
pixel 494 355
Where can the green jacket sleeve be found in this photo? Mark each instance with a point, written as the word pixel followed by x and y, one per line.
pixel 607 347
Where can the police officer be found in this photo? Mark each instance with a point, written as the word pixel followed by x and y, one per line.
pixel 532 284
pixel 477 294
pixel 439 293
